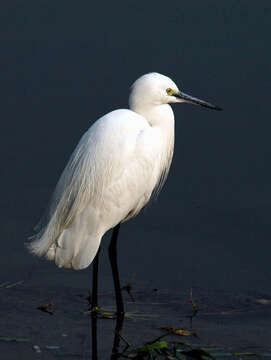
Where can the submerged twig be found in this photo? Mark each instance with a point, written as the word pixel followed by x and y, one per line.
pixel 125 341
pixel 128 288
pixel 194 306
pixel 9 285
pixel 45 308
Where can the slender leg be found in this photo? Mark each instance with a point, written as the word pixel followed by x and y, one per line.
pixel 94 304
pixel 94 295
pixel 94 344
pixel 112 250
pixel 116 343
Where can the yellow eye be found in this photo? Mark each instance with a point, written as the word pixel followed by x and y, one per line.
pixel 169 91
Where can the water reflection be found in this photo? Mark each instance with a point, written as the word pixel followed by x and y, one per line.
pixel 94 335
pixel 116 343
pixel 117 335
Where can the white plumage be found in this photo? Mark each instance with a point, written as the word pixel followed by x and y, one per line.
pixel 118 163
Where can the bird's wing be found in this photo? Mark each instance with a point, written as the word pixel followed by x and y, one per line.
pixel 97 164
pixel 100 157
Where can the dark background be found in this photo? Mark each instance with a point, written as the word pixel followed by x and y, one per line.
pixel 63 64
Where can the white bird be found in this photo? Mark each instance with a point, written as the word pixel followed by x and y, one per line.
pixel 119 163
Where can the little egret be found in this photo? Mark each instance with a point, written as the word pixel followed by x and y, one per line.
pixel 119 163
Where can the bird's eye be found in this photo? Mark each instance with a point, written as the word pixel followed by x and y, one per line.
pixel 169 91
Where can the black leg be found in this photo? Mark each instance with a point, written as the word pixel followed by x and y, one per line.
pixel 94 295
pixel 112 250
pixel 116 343
pixel 94 344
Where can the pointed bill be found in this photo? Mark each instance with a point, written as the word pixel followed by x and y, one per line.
pixel 193 100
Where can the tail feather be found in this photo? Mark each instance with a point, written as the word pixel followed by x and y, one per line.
pixel 41 244
pixel 87 253
pixel 74 248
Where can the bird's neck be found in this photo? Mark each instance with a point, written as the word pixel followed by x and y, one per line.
pixel 156 115
pixel 161 117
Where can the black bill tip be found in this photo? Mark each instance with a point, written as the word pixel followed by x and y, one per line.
pixel 192 100
pixel 211 106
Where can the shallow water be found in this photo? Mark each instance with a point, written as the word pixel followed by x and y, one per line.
pixel 226 323
pixel 63 66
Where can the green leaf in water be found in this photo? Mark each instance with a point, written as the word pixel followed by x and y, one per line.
pixel 7 338
pixel 221 354
pixel 263 301
pixel 245 354
pixel 158 345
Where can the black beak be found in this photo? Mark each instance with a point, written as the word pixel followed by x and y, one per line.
pixel 193 100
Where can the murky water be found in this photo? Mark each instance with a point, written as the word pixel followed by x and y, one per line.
pixel 63 66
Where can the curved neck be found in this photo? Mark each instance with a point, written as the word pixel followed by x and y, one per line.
pixel 156 115
pixel 161 117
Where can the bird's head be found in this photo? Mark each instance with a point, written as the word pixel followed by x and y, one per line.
pixel 157 89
